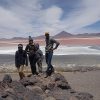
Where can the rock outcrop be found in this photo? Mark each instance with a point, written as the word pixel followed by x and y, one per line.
pixel 54 87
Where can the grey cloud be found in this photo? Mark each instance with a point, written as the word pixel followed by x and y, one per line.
pixel 24 17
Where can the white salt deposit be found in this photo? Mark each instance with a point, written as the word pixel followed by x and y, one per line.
pixel 62 50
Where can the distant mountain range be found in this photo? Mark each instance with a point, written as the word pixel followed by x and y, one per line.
pixel 89 35
pixel 17 38
pixel 60 35
pixel 63 34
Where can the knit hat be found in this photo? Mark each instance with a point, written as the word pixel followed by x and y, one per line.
pixel 30 38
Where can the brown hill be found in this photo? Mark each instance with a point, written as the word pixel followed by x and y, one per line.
pixel 63 34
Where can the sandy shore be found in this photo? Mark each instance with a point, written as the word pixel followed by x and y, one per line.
pixel 83 82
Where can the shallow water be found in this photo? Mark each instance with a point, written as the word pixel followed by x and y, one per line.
pixel 59 60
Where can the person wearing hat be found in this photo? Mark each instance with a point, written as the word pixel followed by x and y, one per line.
pixel 31 51
pixel 21 60
pixel 49 52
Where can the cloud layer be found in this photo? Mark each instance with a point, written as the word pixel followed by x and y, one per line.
pixel 30 17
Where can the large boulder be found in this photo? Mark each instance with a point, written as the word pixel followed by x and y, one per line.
pixel 60 81
pixel 7 79
pixel 57 77
pixel 36 87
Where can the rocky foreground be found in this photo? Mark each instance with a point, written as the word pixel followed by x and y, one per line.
pixel 37 87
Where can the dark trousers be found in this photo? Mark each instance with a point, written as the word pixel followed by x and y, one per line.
pixel 48 57
pixel 33 61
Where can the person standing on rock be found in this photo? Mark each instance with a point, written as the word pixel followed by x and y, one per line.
pixel 49 53
pixel 31 51
pixel 39 55
pixel 21 60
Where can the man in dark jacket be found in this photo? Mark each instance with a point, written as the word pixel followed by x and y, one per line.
pixel 49 53
pixel 39 55
pixel 21 60
pixel 31 50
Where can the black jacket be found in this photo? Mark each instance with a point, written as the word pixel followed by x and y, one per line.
pixel 30 49
pixel 21 58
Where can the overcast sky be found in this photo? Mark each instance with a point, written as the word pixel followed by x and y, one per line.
pixel 34 17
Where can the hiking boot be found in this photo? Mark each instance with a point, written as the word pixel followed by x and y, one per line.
pixel 22 75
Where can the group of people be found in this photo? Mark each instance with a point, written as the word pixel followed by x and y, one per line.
pixel 35 55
